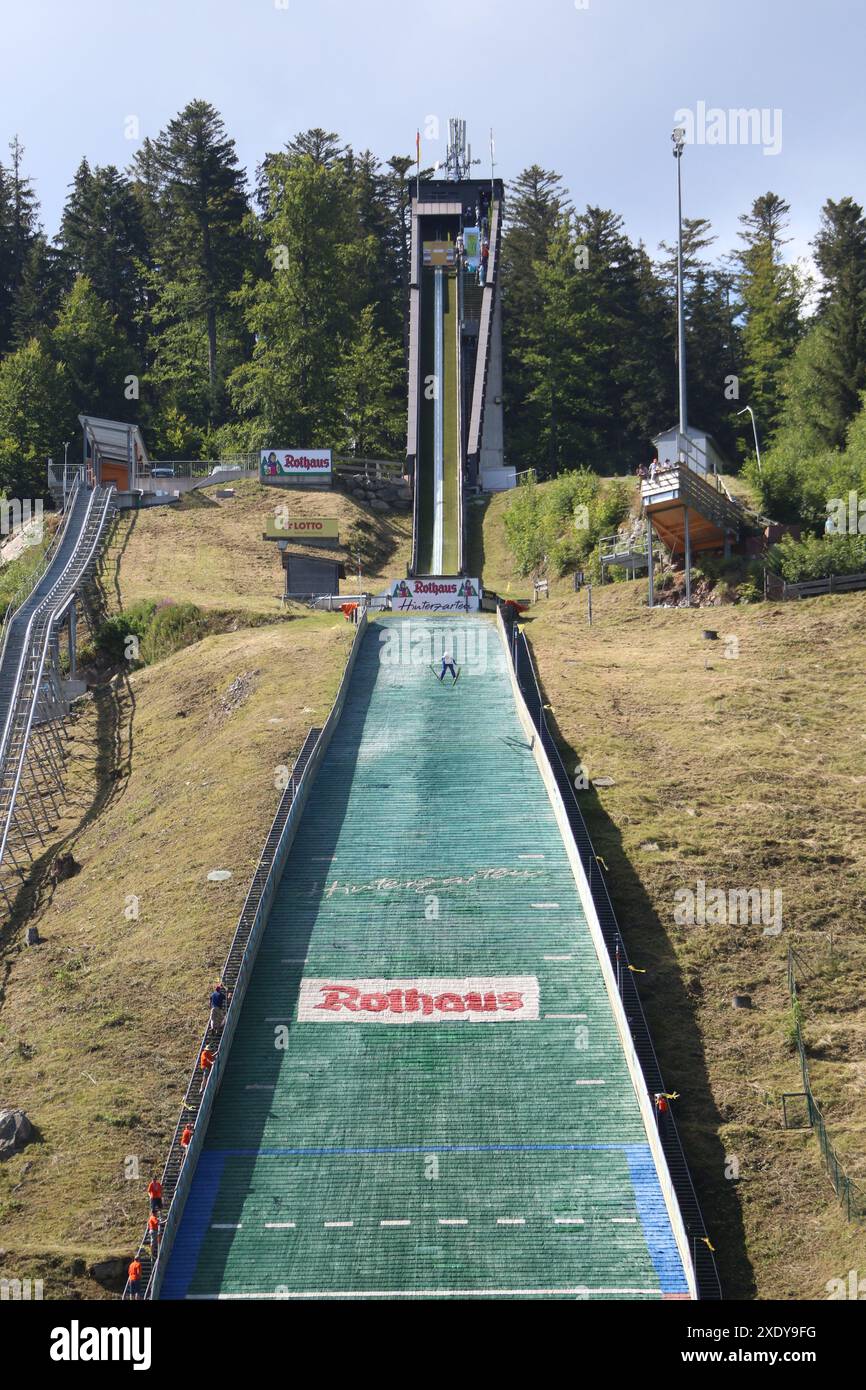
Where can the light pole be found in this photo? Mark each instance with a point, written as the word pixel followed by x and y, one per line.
pixel 679 139
pixel 754 431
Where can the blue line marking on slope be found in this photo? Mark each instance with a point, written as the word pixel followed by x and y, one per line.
pixel 194 1225
pixel 654 1219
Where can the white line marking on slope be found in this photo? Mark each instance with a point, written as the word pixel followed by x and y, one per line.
pixel 438 421
pixel 566 1015
pixel 589 1083
pixel 453 1221
pixel 568 1221
pixel 558 957
pixel 395 1223
pixel 256 1086
pixel 530 856
pixel 544 905
pixel 511 1220
pixel 624 1220
pixel 578 1290
pixel 279 1225
pixel 226 1226
pixel 335 1225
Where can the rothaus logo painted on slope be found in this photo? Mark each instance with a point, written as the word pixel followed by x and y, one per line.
pixel 77 1343
pixel 471 999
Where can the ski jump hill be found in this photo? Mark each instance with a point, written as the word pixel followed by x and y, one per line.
pixel 431 1090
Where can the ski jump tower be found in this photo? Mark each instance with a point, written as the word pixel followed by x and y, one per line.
pixel 454 435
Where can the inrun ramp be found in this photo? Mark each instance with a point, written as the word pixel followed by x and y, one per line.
pixel 489 1147
pixel 439 461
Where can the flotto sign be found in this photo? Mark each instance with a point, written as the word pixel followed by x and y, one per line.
pixel 473 999
pixel 436 594
pixel 281 527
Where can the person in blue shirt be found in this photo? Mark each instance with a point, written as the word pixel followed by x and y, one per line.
pixel 218 1005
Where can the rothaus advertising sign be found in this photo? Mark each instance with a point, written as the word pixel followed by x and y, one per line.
pixel 470 999
pixel 294 465
pixel 436 594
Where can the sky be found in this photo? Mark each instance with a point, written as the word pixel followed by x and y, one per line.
pixel 589 88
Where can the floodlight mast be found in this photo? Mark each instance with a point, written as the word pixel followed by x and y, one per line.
pixel 679 139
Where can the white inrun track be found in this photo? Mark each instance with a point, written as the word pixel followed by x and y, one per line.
pixel 438 422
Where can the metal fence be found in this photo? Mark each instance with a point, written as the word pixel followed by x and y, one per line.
pixel 382 470
pixel 850 1194
pixel 703 1258
pixel 198 1102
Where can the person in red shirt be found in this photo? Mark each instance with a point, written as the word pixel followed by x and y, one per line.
pixel 185 1141
pixel 154 1192
pixel 134 1274
pixel 206 1061
pixel 153 1234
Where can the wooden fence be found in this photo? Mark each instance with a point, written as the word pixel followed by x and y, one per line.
pixel 777 588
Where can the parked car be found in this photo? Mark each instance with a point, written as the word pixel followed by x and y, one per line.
pixel 162 470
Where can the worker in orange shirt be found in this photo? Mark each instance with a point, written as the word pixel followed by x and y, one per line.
pixel 206 1061
pixel 185 1141
pixel 134 1275
pixel 153 1234
pixel 154 1192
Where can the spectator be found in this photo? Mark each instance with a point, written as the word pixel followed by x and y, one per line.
pixel 134 1276
pixel 154 1192
pixel 218 1005
pixel 654 470
pixel 206 1061
pixel 153 1235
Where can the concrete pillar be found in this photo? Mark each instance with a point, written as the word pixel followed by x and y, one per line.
pixel 73 643
pixel 688 539
pixel 492 439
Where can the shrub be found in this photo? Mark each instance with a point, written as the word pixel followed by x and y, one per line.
pixel 816 557
pixel 111 638
pixel 172 626
pixel 541 524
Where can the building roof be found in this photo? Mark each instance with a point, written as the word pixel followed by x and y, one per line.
pixel 320 554
pixel 111 437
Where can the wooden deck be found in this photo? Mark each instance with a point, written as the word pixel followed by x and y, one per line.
pixel 713 517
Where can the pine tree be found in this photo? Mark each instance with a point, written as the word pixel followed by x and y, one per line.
pixel 102 236
pixel 536 208
pixel 93 351
pixel 198 209
pixel 840 253
pixel 771 296
pixel 39 293
pixel 303 311
pixel 35 416
pixel 367 380
pixel 20 226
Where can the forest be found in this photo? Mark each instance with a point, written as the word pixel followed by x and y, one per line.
pixel 222 308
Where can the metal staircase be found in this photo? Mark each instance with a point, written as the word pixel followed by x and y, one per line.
pixel 175 1182
pixel 32 702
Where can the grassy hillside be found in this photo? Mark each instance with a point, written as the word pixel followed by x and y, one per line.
pixel 173 774
pixel 743 771
pixel 210 551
